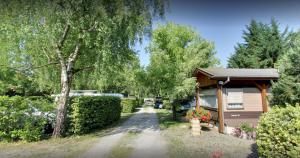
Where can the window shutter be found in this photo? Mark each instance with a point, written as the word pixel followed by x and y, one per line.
pixel 234 95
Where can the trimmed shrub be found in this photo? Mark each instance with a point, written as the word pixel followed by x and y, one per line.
pixel 91 113
pixel 278 132
pixel 128 105
pixel 167 104
pixel 23 119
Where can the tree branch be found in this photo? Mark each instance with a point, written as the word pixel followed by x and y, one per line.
pixel 29 68
pixel 73 56
pixel 92 27
pixel 60 44
pixel 83 69
pixel 41 66
pixel 63 37
pixel 48 57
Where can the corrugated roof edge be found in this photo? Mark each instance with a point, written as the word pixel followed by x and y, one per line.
pixel 231 72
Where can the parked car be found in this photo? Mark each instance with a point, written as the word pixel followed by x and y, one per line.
pixel 158 103
pixel 149 101
pixel 186 105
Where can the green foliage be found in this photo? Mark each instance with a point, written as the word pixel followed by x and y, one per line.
pixel 127 79
pixel 246 127
pixel 22 118
pixel 128 105
pixel 201 114
pixel 139 102
pixel 92 113
pixel 264 45
pixel 278 132
pixel 176 51
pixel 106 30
pixel 51 41
pixel 287 89
pixel 167 104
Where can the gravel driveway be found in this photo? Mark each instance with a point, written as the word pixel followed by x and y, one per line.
pixel 144 141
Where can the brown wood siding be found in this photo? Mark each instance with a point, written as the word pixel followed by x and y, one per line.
pixel 205 81
pixel 234 119
pixel 238 122
pixel 251 99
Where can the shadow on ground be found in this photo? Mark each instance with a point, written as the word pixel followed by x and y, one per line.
pixel 138 122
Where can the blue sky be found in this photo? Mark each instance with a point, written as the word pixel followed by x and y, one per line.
pixel 223 22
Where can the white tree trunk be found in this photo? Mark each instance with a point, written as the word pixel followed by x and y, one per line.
pixel 62 103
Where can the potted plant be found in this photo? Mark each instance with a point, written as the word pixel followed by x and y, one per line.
pixel 195 117
pixel 205 117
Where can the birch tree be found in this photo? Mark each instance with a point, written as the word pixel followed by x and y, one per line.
pixel 58 39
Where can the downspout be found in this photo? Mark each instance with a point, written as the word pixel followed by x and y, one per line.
pixel 228 80
pixel 221 83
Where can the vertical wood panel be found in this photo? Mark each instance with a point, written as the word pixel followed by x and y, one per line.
pixel 205 81
pixel 220 109
pixel 264 98
pixel 197 97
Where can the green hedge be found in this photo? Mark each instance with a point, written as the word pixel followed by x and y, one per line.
pixel 22 118
pixel 91 113
pixel 167 105
pixel 129 105
pixel 278 132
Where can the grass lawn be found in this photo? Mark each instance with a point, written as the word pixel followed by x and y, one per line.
pixel 64 147
pixel 182 144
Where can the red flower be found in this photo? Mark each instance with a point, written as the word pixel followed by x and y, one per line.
pixel 203 118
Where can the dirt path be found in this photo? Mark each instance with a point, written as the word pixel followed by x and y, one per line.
pixel 138 137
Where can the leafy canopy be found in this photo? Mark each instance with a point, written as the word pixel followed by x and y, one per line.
pixel 176 51
pixel 31 31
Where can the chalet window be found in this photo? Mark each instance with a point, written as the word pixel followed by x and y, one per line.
pixel 234 98
pixel 208 100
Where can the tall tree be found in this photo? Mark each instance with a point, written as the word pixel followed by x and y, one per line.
pixel 176 51
pixel 287 89
pixel 61 38
pixel 264 44
pixel 125 78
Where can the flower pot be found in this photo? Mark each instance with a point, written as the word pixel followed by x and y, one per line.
pixel 196 128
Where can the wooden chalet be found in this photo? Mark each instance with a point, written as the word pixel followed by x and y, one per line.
pixel 234 96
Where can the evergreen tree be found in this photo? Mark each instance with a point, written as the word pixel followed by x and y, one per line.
pixel 287 89
pixel 264 44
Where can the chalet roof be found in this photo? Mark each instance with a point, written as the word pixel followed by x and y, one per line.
pixel 218 73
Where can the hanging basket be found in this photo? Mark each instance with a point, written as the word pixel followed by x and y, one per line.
pixel 196 128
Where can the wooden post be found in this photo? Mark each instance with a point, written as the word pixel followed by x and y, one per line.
pixel 264 98
pixel 197 97
pixel 263 91
pixel 220 109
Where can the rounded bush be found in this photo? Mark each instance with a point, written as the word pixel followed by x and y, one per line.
pixel 278 132
pixel 93 113
pixel 167 104
pixel 128 105
pixel 23 119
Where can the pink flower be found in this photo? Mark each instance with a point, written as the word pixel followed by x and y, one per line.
pixel 216 154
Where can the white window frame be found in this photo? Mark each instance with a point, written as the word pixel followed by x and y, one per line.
pixel 232 105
